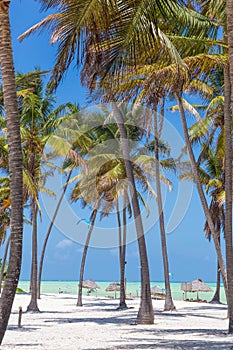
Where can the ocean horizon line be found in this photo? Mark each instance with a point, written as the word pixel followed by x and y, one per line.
pixel 114 280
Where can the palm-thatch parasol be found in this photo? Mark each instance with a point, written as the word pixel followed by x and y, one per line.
pixel 90 285
pixel 195 286
pixel 157 292
pixel 113 287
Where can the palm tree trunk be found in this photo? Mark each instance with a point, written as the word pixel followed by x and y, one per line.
pixel 4 260
pixel 201 192
pixel 216 297
pixel 228 89
pixel 145 313
pixel 93 217
pixel 15 168
pixel 169 305
pixel 122 303
pixel 48 234
pixel 33 302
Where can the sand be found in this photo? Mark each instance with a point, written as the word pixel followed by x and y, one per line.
pixel 98 325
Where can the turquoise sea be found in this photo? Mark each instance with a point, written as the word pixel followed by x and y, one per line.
pixel 132 288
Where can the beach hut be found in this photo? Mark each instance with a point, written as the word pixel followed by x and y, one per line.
pixel 113 287
pixel 195 286
pixel 90 285
pixel 157 292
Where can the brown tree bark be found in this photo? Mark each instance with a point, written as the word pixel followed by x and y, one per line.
pixel 4 260
pixel 94 214
pixel 122 253
pixel 228 92
pixel 15 168
pixel 33 283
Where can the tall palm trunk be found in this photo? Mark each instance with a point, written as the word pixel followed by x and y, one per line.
pixel 145 313
pixel 216 297
pixel 93 217
pixel 33 302
pixel 15 168
pixel 48 234
pixel 169 305
pixel 201 192
pixel 228 90
pixel 122 251
pixel 4 260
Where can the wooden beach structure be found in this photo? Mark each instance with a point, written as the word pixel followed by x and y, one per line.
pixel 113 287
pixel 90 285
pixel 157 292
pixel 195 286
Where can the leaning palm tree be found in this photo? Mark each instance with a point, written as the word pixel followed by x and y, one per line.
pixel 65 137
pixel 15 167
pixel 81 274
pixel 210 131
pixel 212 177
pixel 49 232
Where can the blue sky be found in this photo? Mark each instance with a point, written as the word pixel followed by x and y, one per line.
pixel 190 254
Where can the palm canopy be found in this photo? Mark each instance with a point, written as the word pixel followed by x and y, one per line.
pixel 106 177
pixel 39 118
pixel 118 31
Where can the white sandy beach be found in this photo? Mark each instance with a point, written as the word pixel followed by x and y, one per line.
pixel 98 325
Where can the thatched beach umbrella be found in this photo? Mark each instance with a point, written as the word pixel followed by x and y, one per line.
pixel 157 292
pixel 90 285
pixel 113 287
pixel 195 286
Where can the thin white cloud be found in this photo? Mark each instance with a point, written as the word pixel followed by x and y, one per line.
pixel 64 244
pixel 114 252
pixel 62 257
pixel 79 250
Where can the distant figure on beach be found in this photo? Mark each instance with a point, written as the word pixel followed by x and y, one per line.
pixel 60 291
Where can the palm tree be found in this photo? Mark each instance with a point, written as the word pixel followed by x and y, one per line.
pixel 15 167
pixel 145 313
pixel 223 12
pixel 169 84
pixel 49 232
pixel 33 139
pixel 212 176
pixel 106 182
pixel 200 189
pixel 228 167
pixel 3 265
pixel 210 131
pixel 93 218
pixel 62 141
pixel 157 80
pixel 169 305
pixel 38 119
pixel 122 250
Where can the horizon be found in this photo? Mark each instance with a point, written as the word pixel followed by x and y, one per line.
pixel 130 281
